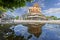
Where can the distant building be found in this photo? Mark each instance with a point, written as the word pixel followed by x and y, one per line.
pixel 20 18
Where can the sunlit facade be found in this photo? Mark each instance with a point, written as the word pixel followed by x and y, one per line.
pixel 35 10
pixel 34 13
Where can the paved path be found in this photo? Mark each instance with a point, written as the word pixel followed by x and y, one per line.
pixel 30 21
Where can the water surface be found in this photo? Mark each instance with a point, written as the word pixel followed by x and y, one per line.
pixel 49 32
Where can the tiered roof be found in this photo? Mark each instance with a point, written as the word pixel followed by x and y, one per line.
pixel 35 12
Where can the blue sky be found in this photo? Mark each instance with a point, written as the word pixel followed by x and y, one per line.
pixel 48 8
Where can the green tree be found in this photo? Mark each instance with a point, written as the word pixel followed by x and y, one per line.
pixel 17 17
pixel 47 17
pixel 54 17
pixel 11 4
pixel 58 19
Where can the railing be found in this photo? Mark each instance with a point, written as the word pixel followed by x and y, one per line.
pixel 29 21
pixel 6 21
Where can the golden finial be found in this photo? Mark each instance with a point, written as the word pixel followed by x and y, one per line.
pixel 36 5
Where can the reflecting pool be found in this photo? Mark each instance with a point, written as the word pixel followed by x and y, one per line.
pixel 49 32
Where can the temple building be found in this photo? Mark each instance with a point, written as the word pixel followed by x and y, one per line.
pixel 35 10
pixel 34 13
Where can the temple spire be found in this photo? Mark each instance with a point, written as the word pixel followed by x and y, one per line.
pixel 36 5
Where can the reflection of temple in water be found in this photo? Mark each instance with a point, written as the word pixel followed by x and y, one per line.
pixel 34 13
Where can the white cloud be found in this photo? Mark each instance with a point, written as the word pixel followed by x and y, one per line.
pixel 59 0
pixel 52 10
pixel 20 11
pixel 57 4
pixel 42 5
